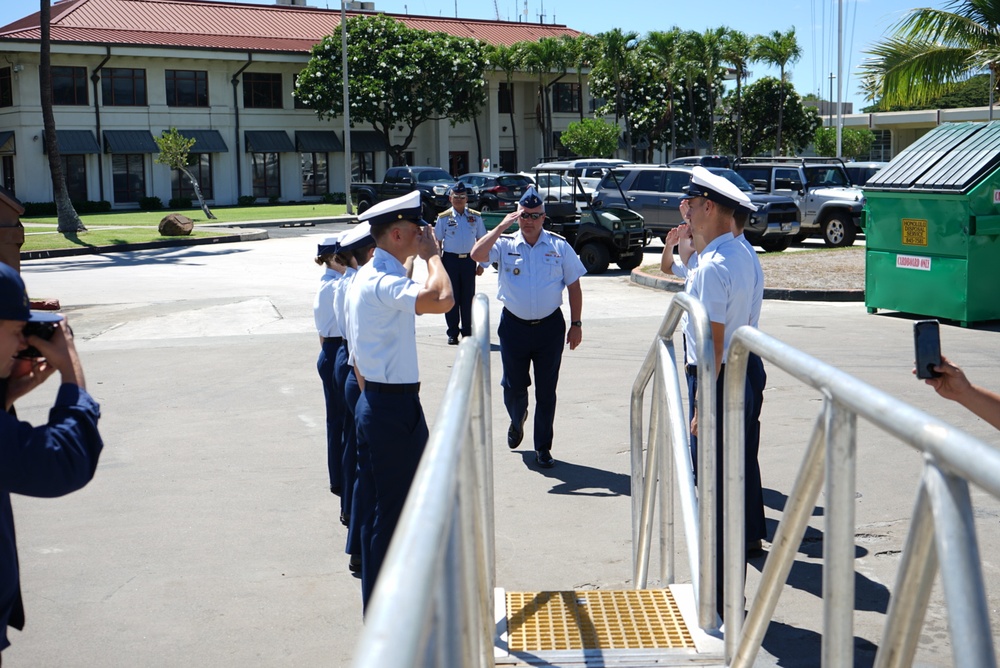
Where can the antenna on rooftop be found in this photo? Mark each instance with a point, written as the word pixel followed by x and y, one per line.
pixel 496 8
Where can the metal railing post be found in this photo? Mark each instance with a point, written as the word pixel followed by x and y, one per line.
pixel 734 495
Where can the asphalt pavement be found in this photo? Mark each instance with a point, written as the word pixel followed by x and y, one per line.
pixel 209 537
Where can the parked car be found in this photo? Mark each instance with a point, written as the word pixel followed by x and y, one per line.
pixel 860 172
pixel 829 205
pixel 704 161
pixel 497 191
pixel 557 188
pixel 590 171
pixel 432 182
pixel 655 192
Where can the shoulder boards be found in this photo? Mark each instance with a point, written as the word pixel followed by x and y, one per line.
pixel 447 212
pixel 557 236
pixel 474 212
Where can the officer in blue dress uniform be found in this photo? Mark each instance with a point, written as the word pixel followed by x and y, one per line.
pixel 723 281
pixel 382 305
pixel 328 325
pixel 457 229
pixel 535 267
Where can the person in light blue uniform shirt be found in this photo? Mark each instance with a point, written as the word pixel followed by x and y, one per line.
pixel 331 336
pixel 382 305
pixel 535 267
pixel 457 229
pixel 723 281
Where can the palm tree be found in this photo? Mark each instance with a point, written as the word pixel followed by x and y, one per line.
pixel 932 49
pixel 617 56
pixel 69 221
pixel 508 59
pixel 663 47
pixel 780 49
pixel 692 56
pixel 542 58
pixel 739 50
pixel 711 61
pixel 580 53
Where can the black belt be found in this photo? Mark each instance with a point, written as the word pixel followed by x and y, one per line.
pixel 508 314
pixel 336 340
pixel 460 256
pixel 393 388
pixel 692 369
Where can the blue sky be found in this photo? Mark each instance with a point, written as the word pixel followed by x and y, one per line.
pixel 815 22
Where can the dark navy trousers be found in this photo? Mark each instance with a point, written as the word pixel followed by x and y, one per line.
pixel 462 272
pixel 363 498
pixel 349 453
pixel 334 395
pixel 394 428
pixel 538 346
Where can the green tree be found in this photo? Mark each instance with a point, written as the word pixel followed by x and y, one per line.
pixel 396 76
pixel 508 60
pixel 614 70
pixel 760 123
pixel 780 49
pixel 931 50
pixel 545 58
pixel 854 142
pixel 739 50
pixel 175 153
pixel 68 220
pixel 663 47
pixel 591 137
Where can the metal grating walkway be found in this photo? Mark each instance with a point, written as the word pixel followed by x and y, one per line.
pixel 595 619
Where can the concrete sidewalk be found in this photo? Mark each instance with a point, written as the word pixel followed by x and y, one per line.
pixel 209 538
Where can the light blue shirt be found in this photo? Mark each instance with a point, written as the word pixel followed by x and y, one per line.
pixel 340 298
pixel 327 323
pixel 758 282
pixel 724 283
pixel 381 317
pixel 458 232
pixel 532 278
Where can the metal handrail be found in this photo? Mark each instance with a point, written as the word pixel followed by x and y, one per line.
pixel 942 530
pixel 669 428
pixel 433 601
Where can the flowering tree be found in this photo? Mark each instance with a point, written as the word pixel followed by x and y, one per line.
pixel 396 77
pixel 591 136
pixel 760 123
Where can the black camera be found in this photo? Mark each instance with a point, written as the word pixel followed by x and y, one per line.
pixel 43 330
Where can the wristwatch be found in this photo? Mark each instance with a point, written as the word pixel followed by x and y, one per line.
pixel 576 323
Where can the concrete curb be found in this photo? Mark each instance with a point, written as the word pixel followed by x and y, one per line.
pixel 783 294
pixel 288 222
pixel 238 235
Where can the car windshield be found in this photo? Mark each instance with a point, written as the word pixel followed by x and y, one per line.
pixel 613 178
pixel 828 175
pixel 434 176
pixel 551 181
pixel 733 178
pixel 513 181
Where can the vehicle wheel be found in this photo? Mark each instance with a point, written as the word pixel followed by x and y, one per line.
pixel 839 231
pixel 487 206
pixel 363 206
pixel 631 260
pixel 594 257
pixel 775 245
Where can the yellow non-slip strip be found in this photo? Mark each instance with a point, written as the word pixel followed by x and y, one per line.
pixel 595 619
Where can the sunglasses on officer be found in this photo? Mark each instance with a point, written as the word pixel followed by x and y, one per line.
pixel 533 216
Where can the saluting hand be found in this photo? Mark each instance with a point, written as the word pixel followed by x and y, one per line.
pixel 427 245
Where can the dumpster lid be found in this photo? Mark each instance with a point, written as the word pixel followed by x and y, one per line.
pixel 952 157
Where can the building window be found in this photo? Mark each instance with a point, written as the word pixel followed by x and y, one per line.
pixel 566 97
pixel 200 166
pixel 128 171
pixel 561 151
pixel 363 166
pixel 69 85
pixel 7 173
pixel 508 161
pixel 187 88
pixel 505 100
pixel 75 172
pixel 261 90
pixel 266 175
pixel 6 88
pixel 409 158
pixel 881 149
pixel 315 173
pixel 123 87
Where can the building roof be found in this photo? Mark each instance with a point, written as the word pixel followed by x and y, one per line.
pixel 234 26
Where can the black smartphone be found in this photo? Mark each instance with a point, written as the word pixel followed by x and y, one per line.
pixel 43 330
pixel 927 342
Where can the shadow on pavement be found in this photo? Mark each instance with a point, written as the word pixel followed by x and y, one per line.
pixel 800 648
pixel 579 480
pixel 134 258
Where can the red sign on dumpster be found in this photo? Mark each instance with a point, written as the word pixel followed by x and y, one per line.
pixel 913 262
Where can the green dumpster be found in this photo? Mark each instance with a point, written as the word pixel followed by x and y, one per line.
pixel 932 226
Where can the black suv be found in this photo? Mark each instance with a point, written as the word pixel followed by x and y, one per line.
pixel 497 192
pixel 655 191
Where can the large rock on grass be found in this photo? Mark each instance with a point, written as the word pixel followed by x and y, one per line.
pixel 176 225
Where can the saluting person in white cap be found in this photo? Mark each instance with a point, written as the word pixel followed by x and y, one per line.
pixel 382 305
pixel 535 267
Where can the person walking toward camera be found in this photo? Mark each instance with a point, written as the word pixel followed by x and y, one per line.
pixel 535 267
pixel 457 229
pixel 382 305
pixel 49 460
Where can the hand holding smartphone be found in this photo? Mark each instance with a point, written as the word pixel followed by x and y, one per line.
pixel 927 344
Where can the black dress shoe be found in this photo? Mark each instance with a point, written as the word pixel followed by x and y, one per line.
pixel 544 459
pixel 515 432
pixel 345 519
pixel 452 340
pixel 355 564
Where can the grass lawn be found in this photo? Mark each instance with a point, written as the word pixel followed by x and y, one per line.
pixel 93 238
pixel 234 214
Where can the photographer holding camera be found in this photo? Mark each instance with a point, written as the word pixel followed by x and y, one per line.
pixel 49 460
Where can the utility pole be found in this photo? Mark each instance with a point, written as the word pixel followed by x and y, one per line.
pixel 347 107
pixel 830 114
pixel 840 73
